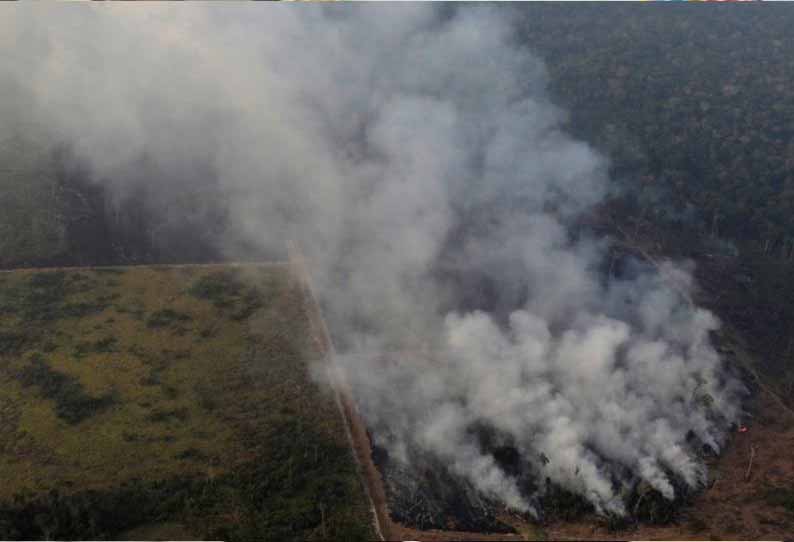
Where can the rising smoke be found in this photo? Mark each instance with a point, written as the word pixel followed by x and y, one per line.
pixel 397 143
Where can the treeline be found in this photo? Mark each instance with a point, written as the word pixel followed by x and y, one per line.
pixel 693 104
pixel 57 212
pixel 299 489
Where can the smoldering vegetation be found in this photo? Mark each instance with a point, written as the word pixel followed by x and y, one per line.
pixel 414 155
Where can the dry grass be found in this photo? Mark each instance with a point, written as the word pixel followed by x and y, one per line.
pixel 202 388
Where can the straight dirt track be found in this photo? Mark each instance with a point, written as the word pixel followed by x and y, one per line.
pixel 354 425
pixel 732 508
pixel 372 481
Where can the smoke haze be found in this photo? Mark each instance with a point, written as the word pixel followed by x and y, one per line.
pixel 398 145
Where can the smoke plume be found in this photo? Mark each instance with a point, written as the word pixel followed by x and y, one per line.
pixel 413 153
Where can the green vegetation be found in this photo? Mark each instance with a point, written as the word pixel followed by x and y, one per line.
pixel 43 297
pixel 71 401
pixel 109 270
pixel 695 110
pixel 40 298
pixel 226 291
pixel 693 105
pixel 220 287
pixel 32 223
pixel 166 317
pixel 131 419
pixel 12 342
pixel 99 346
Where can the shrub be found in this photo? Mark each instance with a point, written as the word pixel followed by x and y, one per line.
pixel 100 346
pixel 159 416
pixel 82 309
pixel 12 343
pixel 250 303
pixel 72 404
pixel 166 317
pixel 225 290
pixel 217 287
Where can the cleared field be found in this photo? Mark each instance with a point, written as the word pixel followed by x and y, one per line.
pixel 148 402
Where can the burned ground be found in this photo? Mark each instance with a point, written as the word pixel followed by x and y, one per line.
pixel 425 496
pixel 749 485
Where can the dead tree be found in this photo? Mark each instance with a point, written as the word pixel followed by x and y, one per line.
pixel 750 462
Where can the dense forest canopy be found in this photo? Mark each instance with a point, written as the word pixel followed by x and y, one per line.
pixel 692 104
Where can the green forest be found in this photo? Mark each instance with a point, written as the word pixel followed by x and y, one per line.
pixel 691 104
pixel 694 107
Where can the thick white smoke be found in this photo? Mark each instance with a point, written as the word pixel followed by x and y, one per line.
pixel 393 142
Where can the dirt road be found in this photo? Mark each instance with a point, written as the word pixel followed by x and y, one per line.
pixel 354 425
pixel 357 433
pixel 737 506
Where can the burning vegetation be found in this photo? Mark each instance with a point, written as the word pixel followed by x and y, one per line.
pixel 508 353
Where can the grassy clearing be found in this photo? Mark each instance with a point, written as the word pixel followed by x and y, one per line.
pixel 72 404
pixel 167 318
pixel 175 396
pixel 226 291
